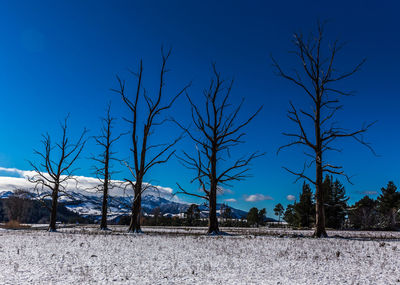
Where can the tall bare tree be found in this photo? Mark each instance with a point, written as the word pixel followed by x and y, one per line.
pixel 216 131
pixel 317 80
pixel 103 170
pixel 159 153
pixel 55 169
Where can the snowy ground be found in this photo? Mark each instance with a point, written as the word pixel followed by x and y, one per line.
pixel 83 256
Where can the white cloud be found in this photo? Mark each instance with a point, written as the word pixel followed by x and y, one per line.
pixel 291 197
pixel 369 192
pixel 230 200
pixel 256 198
pixel 223 191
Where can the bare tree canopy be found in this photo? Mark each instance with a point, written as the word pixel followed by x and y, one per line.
pixel 103 169
pixel 160 153
pixel 318 79
pixel 55 169
pixel 216 131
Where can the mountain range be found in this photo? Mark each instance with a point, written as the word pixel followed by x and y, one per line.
pixel 84 199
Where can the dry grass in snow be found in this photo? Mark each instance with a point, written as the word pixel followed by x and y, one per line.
pixel 67 258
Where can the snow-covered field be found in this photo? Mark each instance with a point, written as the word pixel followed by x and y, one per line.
pixel 73 257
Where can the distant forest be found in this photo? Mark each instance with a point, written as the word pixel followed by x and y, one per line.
pixel 365 214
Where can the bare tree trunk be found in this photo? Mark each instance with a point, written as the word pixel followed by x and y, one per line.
pixel 319 192
pixel 212 217
pixel 103 224
pixel 319 205
pixel 53 213
pixel 134 226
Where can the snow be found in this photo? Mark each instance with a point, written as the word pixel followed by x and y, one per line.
pixel 85 255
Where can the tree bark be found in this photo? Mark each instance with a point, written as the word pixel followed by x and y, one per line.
pixel 53 213
pixel 103 224
pixel 319 191
pixel 134 226
pixel 212 217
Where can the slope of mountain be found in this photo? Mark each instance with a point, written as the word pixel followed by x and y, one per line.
pixel 84 198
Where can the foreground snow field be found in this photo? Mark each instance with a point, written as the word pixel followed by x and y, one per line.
pixel 70 257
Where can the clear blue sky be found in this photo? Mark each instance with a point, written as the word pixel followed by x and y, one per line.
pixel 59 57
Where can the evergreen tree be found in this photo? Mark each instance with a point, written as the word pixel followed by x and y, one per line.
pixel 305 208
pixel 363 215
pixel 192 214
pixel 335 203
pixel 226 212
pixel 256 217
pixel 289 215
pixel 388 204
pixel 279 210
pixel 262 216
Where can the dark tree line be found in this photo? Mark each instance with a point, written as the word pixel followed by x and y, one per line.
pixel 367 213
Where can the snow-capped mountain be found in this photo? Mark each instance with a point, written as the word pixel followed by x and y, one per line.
pixel 85 199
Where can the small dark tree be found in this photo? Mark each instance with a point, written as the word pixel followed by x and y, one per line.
pixel 256 217
pixel 17 206
pixel 156 215
pixel 192 214
pixel 252 217
pixel 103 171
pixel 289 216
pixel 305 208
pixel 226 212
pixel 217 131
pixel 279 210
pixel 55 170
pixel 388 204
pixel 336 202
pixel 160 153
pixel 364 215
pixel 320 75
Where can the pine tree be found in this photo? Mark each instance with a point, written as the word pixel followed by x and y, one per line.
pixel 279 210
pixel 388 204
pixel 305 208
pixel 363 214
pixel 256 217
pixel 289 215
pixel 192 214
pixel 335 203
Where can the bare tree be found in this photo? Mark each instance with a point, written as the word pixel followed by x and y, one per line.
pixel 216 131
pixel 160 153
pixel 55 170
pixel 320 75
pixel 103 171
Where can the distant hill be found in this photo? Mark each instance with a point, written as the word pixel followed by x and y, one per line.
pixel 85 201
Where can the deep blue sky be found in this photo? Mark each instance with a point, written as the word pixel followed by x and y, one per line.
pixel 59 57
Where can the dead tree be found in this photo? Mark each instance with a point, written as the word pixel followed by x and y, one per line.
pixel 103 171
pixel 159 153
pixel 55 169
pixel 216 131
pixel 317 80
